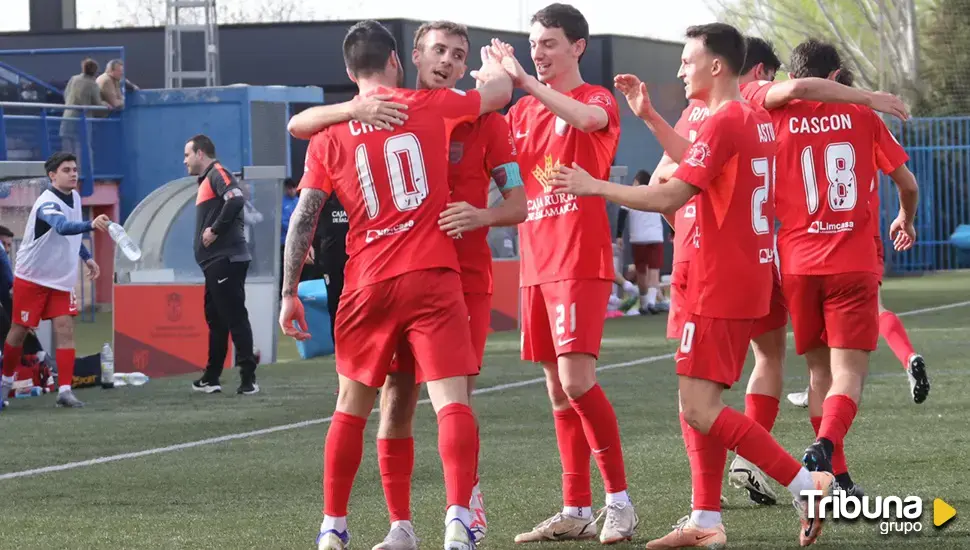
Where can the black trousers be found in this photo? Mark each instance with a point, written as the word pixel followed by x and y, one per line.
pixel 226 314
pixel 335 285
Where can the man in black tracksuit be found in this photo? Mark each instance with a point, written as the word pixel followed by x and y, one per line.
pixel 330 253
pixel 222 253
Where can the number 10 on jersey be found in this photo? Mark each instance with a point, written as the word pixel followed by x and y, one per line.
pixel 405 170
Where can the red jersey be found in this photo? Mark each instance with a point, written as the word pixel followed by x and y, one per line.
pixel 732 163
pixel 827 159
pixel 685 220
pixel 476 149
pixel 564 236
pixel 393 184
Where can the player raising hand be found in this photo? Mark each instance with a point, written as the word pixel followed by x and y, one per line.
pixel 47 272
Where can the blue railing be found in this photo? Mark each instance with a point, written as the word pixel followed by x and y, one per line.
pixel 939 151
pixel 34 131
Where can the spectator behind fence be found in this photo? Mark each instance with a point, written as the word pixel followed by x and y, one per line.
pixel 82 89
pixel 109 84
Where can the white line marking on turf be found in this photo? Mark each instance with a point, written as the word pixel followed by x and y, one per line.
pixel 305 423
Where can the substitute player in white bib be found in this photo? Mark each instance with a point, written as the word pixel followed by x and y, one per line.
pixel 46 273
pixel 647 241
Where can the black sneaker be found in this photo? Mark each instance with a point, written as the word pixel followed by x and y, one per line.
pixel 204 385
pixel 248 386
pixel 816 459
pixel 919 383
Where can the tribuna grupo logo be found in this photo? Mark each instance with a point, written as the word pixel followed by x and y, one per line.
pixel 895 514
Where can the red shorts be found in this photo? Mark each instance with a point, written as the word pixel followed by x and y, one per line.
pixel 479 320
pixel 777 314
pixel 33 303
pixel 563 317
pixel 714 349
pixel 422 312
pixel 648 256
pixel 881 256
pixel 837 311
pixel 678 298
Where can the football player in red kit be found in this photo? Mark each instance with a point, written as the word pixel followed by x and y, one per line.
pixel 729 169
pixel 479 152
pixel 394 186
pixel 567 267
pixel 830 269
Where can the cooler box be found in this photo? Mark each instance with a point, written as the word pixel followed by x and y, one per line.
pixel 313 294
pixel 961 237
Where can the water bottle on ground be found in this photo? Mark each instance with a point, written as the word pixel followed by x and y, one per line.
pixel 128 246
pixel 107 367
pixel 131 378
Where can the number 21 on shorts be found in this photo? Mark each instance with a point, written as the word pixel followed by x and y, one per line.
pixel 561 319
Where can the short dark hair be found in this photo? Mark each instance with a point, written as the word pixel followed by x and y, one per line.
pixel 367 48
pixel 758 50
pixel 89 67
pixel 5 231
pixel 449 27
pixel 53 164
pixel 564 16
pixel 201 142
pixel 290 183
pixel 723 41
pixel 845 76
pixel 642 176
pixel 814 58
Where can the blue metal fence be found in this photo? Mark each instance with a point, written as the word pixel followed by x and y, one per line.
pixel 939 151
pixel 33 131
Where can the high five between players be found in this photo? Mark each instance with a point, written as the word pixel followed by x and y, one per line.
pixel 717 180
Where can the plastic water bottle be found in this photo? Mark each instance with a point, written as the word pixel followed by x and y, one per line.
pixel 32 392
pixel 128 246
pixel 131 378
pixel 107 367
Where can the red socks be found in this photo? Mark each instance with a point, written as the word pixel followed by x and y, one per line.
pixel 11 359
pixel 603 436
pixel 761 408
pixel 396 460
pixel 342 454
pixel 65 366
pixel 838 412
pixel 893 331
pixel 458 445
pixel 753 443
pixel 574 454
pixel 707 459
pixel 839 465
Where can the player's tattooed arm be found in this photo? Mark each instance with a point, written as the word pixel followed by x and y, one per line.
pixel 299 237
pixel 376 110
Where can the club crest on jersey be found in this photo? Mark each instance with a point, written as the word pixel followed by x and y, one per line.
pixel 561 127
pixel 455 151
pixel 545 174
pixel 699 152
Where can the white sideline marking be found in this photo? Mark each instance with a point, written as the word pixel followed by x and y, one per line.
pixel 305 423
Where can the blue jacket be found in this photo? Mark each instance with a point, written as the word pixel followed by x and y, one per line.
pixel 289 205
